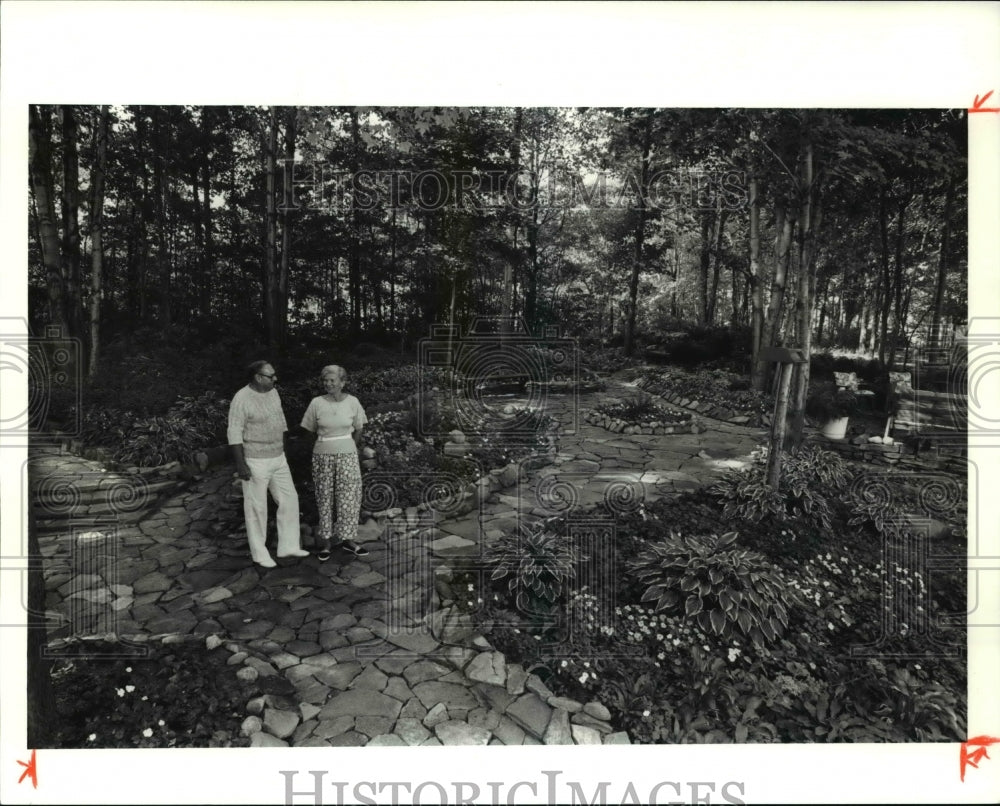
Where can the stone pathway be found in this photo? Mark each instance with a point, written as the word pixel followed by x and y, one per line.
pixel 367 651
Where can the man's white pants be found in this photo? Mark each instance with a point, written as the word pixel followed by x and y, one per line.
pixel 274 476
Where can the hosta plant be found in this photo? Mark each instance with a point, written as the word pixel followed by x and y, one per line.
pixel 537 564
pixel 727 589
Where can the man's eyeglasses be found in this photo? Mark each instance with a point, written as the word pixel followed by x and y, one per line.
pixel 265 375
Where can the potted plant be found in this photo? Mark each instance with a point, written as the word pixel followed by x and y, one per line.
pixel 832 407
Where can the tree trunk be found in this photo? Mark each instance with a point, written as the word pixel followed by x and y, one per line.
pixel 783 226
pixel 286 233
pixel 161 183
pixel 756 296
pixel 716 252
pixel 640 235
pixel 271 280
pixel 354 266
pixel 943 265
pixel 71 220
pixel 897 294
pixel 778 427
pixel 705 265
pixel 40 162
pixel 808 224
pixel 97 236
pixel 886 299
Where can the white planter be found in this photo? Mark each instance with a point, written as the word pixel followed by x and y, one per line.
pixel 835 429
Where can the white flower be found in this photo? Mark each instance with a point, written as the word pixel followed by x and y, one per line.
pixel 161 723
pixel 144 698
pixel 564 664
pixel 147 732
pixel 92 737
pixel 646 712
pixel 130 689
pixel 121 692
pixel 128 668
pixel 584 676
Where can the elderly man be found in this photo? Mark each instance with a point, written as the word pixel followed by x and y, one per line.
pixel 256 433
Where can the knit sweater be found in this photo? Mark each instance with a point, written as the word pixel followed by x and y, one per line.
pixel 257 422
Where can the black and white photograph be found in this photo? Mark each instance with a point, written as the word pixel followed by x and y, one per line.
pixel 353 420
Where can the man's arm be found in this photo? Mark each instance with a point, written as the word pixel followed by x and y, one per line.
pixel 234 435
pixel 242 468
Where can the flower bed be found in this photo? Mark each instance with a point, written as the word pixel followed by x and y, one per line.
pixel 643 417
pixel 716 394
pixel 741 622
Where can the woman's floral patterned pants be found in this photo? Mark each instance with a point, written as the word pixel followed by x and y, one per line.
pixel 337 479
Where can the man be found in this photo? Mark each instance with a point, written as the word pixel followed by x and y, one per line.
pixel 256 434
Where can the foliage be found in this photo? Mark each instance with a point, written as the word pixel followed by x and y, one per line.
pixel 808 475
pixel 537 565
pixel 641 408
pixel 718 387
pixel 189 425
pixel 177 695
pixel 727 589
pixel 826 402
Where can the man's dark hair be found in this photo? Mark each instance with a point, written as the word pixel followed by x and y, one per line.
pixel 257 366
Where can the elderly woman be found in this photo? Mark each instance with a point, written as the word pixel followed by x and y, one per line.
pixel 337 420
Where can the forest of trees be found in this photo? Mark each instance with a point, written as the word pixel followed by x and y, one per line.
pixel 837 228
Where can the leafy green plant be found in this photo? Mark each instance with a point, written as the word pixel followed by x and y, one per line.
pixel 807 476
pixel 827 402
pixel 725 588
pixel 537 565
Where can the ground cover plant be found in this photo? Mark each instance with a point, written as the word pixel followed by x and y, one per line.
pixel 177 695
pixel 797 617
pixel 718 387
pixel 641 408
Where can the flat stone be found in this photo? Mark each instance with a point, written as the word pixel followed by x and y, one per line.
pixel 328 728
pixel 373 725
pixel 598 711
pixel 454 546
pixel 264 668
pixel 451 626
pixel 255 706
pixel 370 678
pixel 280 723
pixel 368 579
pixel 454 732
pixel 411 731
pixel 499 698
pixel 509 732
pixel 583 718
pixel 450 694
pixel 483 718
pixel 340 676
pixel 308 711
pixel 568 705
pixel 531 713
pixel 536 686
pixel 414 709
pixel 423 670
pixel 284 659
pixel 516 678
pixel 436 715
pixel 155 581
pixel 386 740
pixel 303 649
pixel 420 643
pixel 266 740
pixel 489 668
pixel 621 737
pixel 350 739
pixel 585 735
pixel 250 726
pixel 558 730
pixel 361 702
pixel 397 688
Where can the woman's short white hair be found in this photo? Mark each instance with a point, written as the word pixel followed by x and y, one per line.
pixel 333 368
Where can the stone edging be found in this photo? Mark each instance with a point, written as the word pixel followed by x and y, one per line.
pixel 661 389
pixel 690 425
pixel 897 454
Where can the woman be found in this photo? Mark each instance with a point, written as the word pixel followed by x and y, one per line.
pixel 337 420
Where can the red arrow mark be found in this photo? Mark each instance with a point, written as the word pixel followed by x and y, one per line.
pixel 977 105
pixel 972 759
pixel 29 769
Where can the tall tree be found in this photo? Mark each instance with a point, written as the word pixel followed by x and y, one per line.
pixel 98 173
pixel 40 163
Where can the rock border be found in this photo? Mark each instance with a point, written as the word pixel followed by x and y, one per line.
pixel 660 388
pixel 616 425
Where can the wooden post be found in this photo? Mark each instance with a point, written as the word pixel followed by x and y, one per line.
pixel 786 358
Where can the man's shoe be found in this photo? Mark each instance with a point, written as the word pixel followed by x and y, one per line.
pixel 295 553
pixel 268 563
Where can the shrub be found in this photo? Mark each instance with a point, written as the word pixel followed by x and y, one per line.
pixel 725 588
pixel 827 402
pixel 807 476
pixel 537 565
pixel 640 408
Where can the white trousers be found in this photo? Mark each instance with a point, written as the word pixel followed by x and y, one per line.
pixel 274 476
